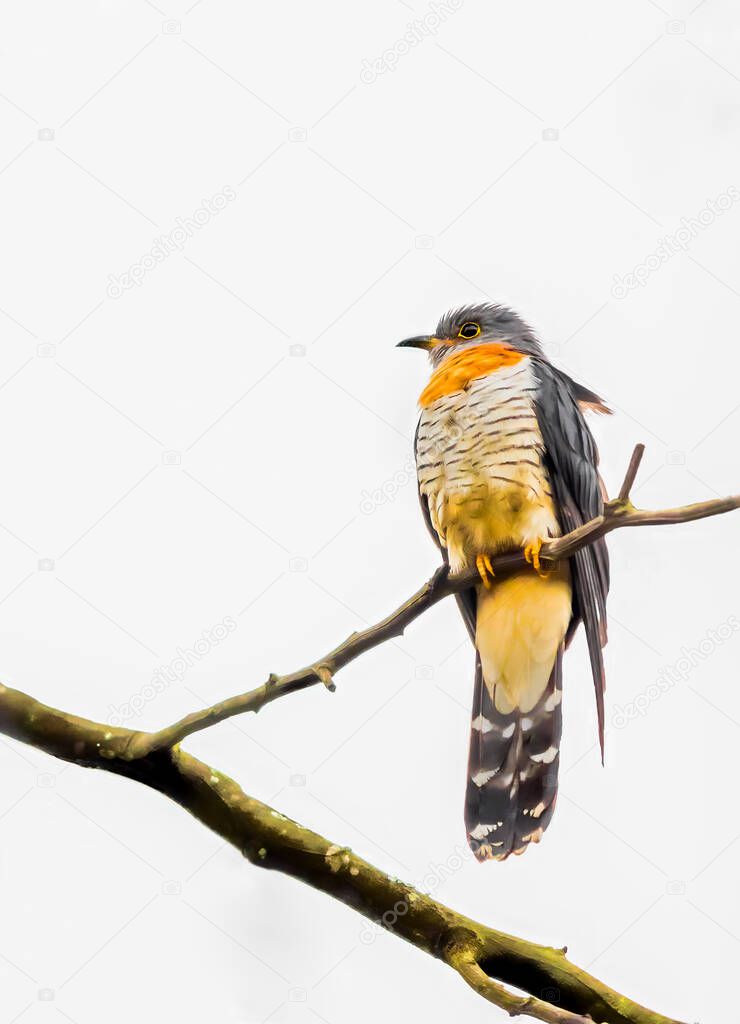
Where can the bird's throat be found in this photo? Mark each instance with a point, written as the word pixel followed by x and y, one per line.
pixel 459 369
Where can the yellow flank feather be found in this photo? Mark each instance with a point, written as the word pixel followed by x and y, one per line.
pixel 494 515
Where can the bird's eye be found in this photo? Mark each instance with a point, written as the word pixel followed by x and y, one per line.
pixel 468 331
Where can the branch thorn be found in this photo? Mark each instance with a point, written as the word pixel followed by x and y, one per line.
pixel 324 674
pixel 629 478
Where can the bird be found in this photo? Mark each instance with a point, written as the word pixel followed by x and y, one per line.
pixel 505 460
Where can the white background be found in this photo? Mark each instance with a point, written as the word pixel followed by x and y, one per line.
pixel 215 441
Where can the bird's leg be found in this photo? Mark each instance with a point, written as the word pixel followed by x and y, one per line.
pixel 485 570
pixel 532 554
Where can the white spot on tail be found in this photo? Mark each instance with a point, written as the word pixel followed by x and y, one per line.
pixel 508 731
pixel 527 723
pixel 482 777
pixel 553 700
pixel 481 831
pixel 481 724
pixel 546 757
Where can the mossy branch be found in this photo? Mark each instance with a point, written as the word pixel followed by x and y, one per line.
pixel 486 959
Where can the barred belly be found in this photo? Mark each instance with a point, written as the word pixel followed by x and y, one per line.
pixel 479 463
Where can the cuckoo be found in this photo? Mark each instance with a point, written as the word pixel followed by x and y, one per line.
pixel 505 460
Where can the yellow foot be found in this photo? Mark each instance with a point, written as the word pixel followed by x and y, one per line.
pixel 532 555
pixel 485 570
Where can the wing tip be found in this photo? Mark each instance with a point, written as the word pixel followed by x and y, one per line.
pixel 597 406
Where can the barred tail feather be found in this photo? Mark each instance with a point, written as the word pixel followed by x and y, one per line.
pixel 517 715
pixel 512 771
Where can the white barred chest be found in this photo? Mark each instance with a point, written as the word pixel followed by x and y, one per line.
pixel 479 465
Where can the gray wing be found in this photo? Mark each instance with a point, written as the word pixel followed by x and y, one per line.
pixel 571 458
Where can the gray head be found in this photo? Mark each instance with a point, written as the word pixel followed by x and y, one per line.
pixel 480 324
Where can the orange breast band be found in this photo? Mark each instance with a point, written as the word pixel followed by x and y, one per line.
pixel 457 371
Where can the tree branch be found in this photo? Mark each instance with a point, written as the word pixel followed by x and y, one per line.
pixel 560 992
pixel 617 514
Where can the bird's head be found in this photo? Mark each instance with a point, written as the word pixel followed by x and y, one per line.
pixel 476 325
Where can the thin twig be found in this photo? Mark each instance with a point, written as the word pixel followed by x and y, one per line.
pixel 617 514
pixel 629 477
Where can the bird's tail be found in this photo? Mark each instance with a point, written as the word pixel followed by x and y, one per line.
pixel 517 713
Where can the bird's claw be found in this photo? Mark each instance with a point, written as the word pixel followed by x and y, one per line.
pixel 532 555
pixel 485 570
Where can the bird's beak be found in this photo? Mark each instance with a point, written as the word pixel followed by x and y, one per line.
pixel 425 341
